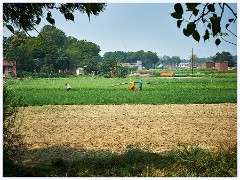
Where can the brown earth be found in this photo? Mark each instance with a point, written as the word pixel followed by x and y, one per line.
pixel 68 131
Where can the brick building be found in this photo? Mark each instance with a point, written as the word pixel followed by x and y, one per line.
pixel 216 65
pixel 208 65
pixel 221 65
pixel 9 67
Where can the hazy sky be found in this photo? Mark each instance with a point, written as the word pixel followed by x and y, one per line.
pixel 138 26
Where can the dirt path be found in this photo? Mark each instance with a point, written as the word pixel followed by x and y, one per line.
pixel 114 127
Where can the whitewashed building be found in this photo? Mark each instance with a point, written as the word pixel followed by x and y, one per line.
pixel 80 71
pixel 184 65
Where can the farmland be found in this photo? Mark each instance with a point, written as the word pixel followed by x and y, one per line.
pixel 98 90
pixel 100 128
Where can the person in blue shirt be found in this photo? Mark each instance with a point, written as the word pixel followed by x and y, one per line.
pixel 140 85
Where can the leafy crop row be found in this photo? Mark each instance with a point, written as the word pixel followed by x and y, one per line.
pixel 156 90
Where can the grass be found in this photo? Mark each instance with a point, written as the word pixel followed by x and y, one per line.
pixel 184 162
pixel 156 90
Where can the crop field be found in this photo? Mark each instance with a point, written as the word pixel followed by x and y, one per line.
pixel 102 115
pixel 156 90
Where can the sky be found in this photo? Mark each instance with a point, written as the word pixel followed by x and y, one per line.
pixel 138 26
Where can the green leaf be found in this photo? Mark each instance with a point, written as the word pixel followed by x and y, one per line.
pixel 196 36
pixel 176 15
pixel 88 9
pixel 195 12
pixel 10 28
pixel 211 7
pixel 191 27
pixel 178 8
pixel 69 16
pixel 49 14
pixel 186 33
pixel 209 25
pixel 50 19
pixel 179 22
pixel 218 41
pixel 216 28
pixel 192 6
pixel 206 36
pixel 38 21
pixel 214 15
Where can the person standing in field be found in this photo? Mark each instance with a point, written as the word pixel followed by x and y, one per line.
pixel 68 87
pixel 140 85
pixel 132 87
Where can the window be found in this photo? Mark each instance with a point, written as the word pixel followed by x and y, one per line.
pixel 9 69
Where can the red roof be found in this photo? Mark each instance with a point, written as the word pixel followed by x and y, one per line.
pixel 9 63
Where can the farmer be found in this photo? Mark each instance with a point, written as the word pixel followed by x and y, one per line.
pixel 140 85
pixel 68 87
pixel 132 87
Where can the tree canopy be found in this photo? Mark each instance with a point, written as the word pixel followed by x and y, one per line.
pixel 224 56
pixel 211 19
pixel 25 16
pixel 148 58
pixel 52 53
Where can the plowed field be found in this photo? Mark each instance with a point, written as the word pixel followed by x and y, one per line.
pixel 50 131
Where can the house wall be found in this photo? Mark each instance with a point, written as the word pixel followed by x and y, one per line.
pixel 9 67
pixel 221 65
pixel 208 65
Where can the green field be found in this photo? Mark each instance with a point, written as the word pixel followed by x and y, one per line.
pixel 185 162
pixel 99 90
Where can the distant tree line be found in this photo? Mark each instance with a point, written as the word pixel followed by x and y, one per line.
pixel 52 52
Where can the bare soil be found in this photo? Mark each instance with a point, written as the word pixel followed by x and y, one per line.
pixel 68 131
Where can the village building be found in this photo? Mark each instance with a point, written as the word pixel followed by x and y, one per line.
pixel 80 71
pixel 9 67
pixel 216 65
pixel 183 65
pixel 138 65
pixel 221 65
pixel 208 65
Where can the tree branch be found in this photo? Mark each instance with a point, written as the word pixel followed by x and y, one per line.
pixel 231 32
pixel 235 14
pixel 28 34
pixel 38 32
pixel 222 7
pixel 228 41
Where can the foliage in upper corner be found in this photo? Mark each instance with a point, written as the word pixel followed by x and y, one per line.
pixel 26 16
pixel 209 16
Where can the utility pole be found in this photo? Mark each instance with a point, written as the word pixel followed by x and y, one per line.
pixel 192 62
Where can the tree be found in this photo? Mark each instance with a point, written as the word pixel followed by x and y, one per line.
pixel 43 51
pixel 120 56
pixel 51 52
pixel 58 36
pixel 170 61
pixel 175 60
pixel 10 44
pixel 26 16
pixel 150 59
pixel 224 56
pixel 207 15
pixel 107 66
pixel 84 54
